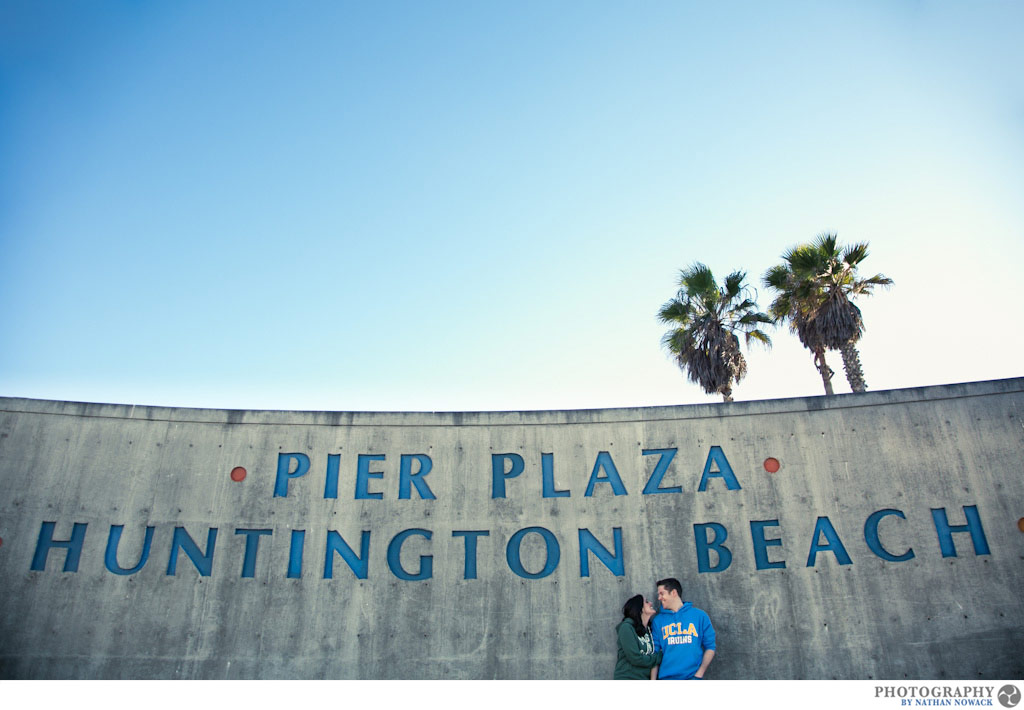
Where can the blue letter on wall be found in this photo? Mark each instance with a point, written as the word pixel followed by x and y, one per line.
pixel 471 536
pixel 515 563
pixel 336 543
pixel 407 479
pixel 834 544
pixel 945 531
pixel 761 545
pixel 364 474
pixel 498 475
pixel 700 534
pixel 298 542
pixel 717 456
pixel 113 539
pixel 285 474
pixel 183 541
pixel 46 541
pixel 589 543
pixel 252 546
pixel 654 482
pixel 547 470
pixel 604 462
pixel 875 544
pixel 331 484
pixel 395 556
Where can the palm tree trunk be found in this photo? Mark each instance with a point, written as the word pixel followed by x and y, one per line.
pixel 726 393
pixel 824 369
pixel 851 364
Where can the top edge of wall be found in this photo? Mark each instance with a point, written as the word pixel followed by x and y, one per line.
pixel 16 405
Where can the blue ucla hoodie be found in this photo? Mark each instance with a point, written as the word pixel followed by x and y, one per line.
pixel 682 637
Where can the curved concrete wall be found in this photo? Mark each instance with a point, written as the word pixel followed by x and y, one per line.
pixel 502 545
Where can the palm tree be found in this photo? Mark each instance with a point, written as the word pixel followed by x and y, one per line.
pixel 705 320
pixel 785 308
pixel 816 286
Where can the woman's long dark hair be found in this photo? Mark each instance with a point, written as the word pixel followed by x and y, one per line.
pixel 633 609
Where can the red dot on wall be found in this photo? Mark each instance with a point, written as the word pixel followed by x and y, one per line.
pixel 771 464
pixel 1020 524
pixel 1 541
pixel 238 473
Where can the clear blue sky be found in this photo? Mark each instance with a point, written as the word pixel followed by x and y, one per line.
pixel 443 206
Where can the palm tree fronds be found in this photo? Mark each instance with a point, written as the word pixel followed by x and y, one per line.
pixel 674 311
pixel 855 254
pixel 707 319
pixel 760 337
pixel 814 287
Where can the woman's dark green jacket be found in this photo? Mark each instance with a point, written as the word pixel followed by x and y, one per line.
pixel 636 654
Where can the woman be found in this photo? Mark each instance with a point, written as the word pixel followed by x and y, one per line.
pixel 636 646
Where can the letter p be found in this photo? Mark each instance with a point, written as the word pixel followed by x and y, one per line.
pixel 284 472
pixel 498 474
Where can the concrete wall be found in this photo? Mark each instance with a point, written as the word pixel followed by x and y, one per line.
pixel 867 483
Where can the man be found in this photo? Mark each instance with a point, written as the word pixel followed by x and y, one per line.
pixel 683 634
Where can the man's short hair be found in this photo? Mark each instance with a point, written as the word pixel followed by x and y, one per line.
pixel 671 584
